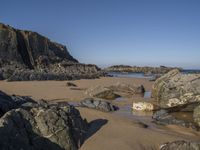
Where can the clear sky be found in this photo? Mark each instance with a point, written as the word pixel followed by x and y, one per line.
pixel 107 32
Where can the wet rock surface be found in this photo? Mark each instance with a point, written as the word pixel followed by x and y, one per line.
pixel 26 55
pixel 164 117
pixel 181 145
pixel 98 105
pixel 39 125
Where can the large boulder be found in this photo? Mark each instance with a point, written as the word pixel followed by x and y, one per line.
pixel 101 92
pixel 27 124
pixel 98 105
pixel 176 89
pixel 41 128
pixel 181 145
pixel 27 55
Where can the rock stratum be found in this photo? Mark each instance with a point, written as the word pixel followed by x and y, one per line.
pixel 27 55
pixel 136 69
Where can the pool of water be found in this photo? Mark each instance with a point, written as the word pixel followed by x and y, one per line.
pixel 147 94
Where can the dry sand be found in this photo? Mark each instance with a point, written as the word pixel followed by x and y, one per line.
pixel 108 130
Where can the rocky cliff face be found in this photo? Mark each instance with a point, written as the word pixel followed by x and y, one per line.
pixel 22 51
pixel 136 69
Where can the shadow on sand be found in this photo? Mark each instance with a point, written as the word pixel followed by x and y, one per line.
pixel 94 126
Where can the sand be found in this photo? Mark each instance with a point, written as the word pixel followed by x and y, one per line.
pixel 107 130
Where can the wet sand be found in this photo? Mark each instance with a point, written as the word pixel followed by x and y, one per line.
pixel 119 130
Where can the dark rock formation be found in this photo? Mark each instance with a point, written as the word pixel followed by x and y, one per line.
pixel 26 55
pixel 181 145
pixel 11 102
pixel 39 125
pixel 145 70
pixel 98 104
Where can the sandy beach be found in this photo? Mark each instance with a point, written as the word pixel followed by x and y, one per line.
pixel 107 130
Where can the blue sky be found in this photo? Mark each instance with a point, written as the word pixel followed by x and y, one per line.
pixel 107 32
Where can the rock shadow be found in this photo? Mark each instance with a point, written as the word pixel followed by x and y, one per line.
pixel 94 126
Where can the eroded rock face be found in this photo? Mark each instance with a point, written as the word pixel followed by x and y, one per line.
pixel 181 145
pixel 176 89
pixel 40 126
pixel 98 104
pixel 26 55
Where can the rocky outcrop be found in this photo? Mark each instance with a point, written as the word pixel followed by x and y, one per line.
pixel 181 145
pixel 98 105
pixel 40 125
pixel 175 89
pixel 135 69
pixel 26 55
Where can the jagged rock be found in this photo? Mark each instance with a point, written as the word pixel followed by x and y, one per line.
pixel 11 102
pixel 26 55
pixel 144 106
pixel 181 145
pixel 98 104
pixel 39 125
pixel 101 92
pixel 127 88
pixel 145 70
pixel 176 89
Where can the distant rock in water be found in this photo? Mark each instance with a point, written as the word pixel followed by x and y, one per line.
pixel 26 55
pixel 135 69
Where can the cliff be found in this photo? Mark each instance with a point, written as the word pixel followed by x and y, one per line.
pixel 27 55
